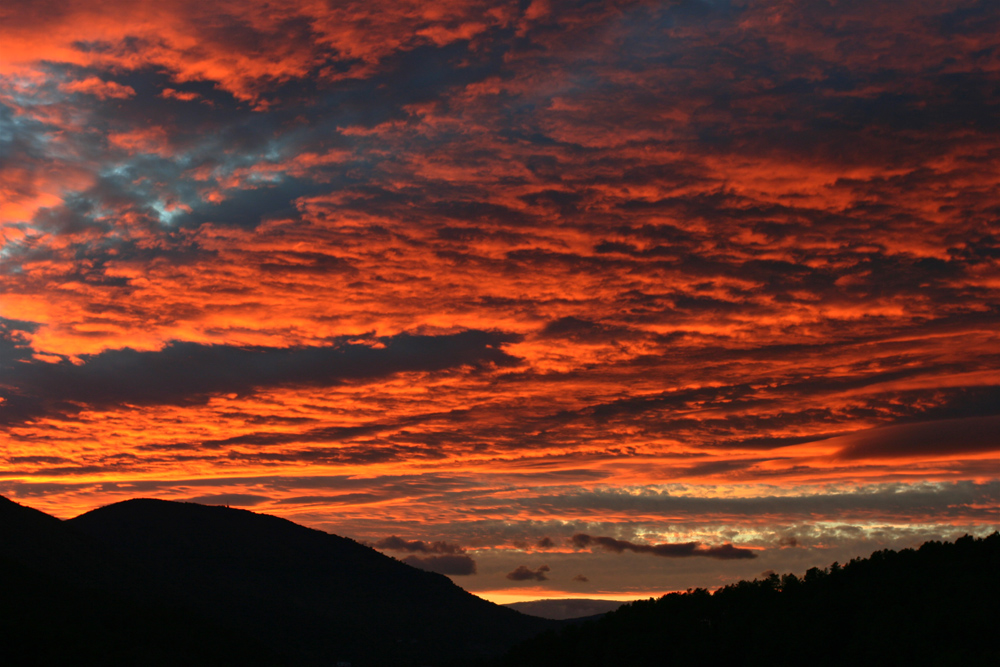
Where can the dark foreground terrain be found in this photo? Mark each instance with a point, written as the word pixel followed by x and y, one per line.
pixel 149 582
pixel 936 605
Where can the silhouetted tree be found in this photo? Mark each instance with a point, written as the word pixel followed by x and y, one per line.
pixel 936 605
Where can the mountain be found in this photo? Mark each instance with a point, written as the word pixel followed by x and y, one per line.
pixel 60 605
pixel 181 583
pixel 565 609
pixel 43 541
pixel 936 605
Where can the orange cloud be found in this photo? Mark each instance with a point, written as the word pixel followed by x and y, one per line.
pixel 728 278
pixel 99 88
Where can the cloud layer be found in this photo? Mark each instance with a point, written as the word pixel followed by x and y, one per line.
pixel 490 273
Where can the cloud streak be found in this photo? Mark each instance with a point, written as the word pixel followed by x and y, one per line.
pixel 678 550
pixel 186 372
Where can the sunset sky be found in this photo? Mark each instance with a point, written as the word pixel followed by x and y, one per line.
pixel 559 298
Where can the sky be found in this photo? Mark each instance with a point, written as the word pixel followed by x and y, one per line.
pixel 560 299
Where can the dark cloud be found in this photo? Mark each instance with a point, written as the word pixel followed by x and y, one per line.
pixel 186 372
pixel 943 438
pixel 678 550
pixel 361 454
pixel 393 543
pixel 545 543
pixel 718 467
pixel 524 573
pixel 15 345
pixel 581 578
pixel 674 399
pixel 448 564
pixel 39 459
pixel 334 433
pixel 581 330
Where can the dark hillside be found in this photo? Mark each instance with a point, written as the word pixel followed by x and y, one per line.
pixel 159 583
pixel 43 543
pixel 58 606
pixel 937 605
pixel 314 595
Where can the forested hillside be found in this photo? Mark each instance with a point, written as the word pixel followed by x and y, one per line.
pixel 936 605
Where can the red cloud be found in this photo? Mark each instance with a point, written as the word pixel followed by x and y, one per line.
pixel 99 88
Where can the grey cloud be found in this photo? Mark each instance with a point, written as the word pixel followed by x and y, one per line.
pixel 187 372
pixel 393 543
pixel 716 467
pixel 334 433
pixel 942 438
pixel 524 573
pixel 15 344
pixel 677 550
pixel 577 329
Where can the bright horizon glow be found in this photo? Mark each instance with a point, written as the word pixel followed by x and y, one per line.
pixel 507 597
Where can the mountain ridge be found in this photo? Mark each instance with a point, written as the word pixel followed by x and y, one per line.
pixel 305 596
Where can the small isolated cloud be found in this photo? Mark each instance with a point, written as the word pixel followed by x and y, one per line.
pixel 393 543
pixel 448 564
pixel 677 550
pixel 99 88
pixel 184 96
pixel 581 578
pixel 524 573
pixel 545 543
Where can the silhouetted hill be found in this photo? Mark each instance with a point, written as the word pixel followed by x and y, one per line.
pixel 60 605
pixel 294 595
pixel 938 605
pixel 46 543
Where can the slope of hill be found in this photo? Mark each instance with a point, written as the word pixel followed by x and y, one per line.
pixel 293 595
pixel 44 542
pixel 937 605
pixel 61 604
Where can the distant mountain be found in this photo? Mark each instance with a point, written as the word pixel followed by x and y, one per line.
pixel 939 605
pixel 153 582
pixel 563 609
